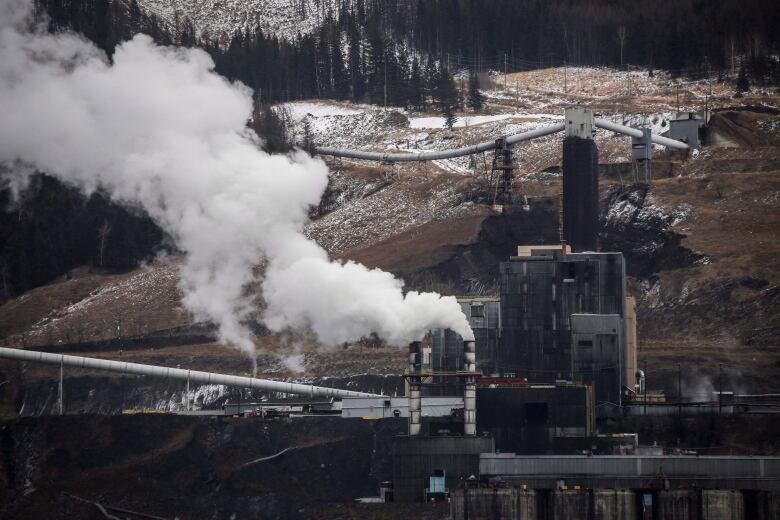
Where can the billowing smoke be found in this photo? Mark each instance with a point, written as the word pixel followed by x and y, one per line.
pixel 159 129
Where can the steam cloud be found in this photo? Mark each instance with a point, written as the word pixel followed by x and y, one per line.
pixel 159 129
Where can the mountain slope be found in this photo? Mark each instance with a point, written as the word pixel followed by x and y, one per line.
pixel 217 18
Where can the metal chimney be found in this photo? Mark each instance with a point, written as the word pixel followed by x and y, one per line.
pixel 470 389
pixel 415 393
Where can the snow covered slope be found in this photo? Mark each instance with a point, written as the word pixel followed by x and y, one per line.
pixel 283 18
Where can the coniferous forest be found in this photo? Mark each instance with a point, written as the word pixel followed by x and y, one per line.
pixel 389 52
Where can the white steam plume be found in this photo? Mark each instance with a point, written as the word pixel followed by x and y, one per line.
pixel 159 129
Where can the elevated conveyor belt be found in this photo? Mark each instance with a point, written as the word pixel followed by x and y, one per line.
pixel 489 145
pixel 195 376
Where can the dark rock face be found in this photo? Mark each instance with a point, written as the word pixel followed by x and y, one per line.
pixel 473 268
pixel 631 224
pixel 189 467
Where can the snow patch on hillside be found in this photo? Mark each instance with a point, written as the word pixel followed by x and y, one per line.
pixel 299 110
pixel 219 18
pixel 467 121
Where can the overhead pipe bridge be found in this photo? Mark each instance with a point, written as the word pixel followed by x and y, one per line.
pixel 195 376
pixel 491 145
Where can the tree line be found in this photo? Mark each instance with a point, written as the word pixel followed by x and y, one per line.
pixel 385 53
pixel 381 52
pixel 348 58
pixel 53 228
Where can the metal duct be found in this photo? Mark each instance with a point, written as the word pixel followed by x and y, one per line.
pixel 443 154
pixel 194 376
pixel 635 132
pixel 470 389
pixel 415 389
pixel 489 145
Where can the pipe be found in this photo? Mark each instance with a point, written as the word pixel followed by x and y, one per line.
pixel 177 373
pixel 470 389
pixel 441 154
pixel 634 132
pixel 415 389
pixel 490 145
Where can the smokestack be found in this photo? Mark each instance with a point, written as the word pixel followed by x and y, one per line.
pixel 415 393
pixel 470 389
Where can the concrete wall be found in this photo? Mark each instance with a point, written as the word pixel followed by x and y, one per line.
pixel 722 505
pixel 677 504
pixel 569 505
pixel 512 503
pixel 762 505
pixel 489 504
pixel 613 504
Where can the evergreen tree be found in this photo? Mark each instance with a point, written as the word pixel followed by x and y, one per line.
pixel 447 94
pixel 341 84
pixel 135 15
pixel 187 36
pixel 308 136
pixel 475 98
pixel 431 78
pixel 416 86
pixel 743 85
pixel 401 78
pixel 324 87
pixel 377 65
pixel 355 65
pixel 272 125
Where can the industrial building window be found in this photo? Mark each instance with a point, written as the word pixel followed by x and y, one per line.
pixel 585 343
pixel 477 311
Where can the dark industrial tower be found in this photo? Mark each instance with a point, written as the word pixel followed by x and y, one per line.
pixel 580 194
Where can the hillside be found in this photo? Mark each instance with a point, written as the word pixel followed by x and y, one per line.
pixel 700 241
pixel 281 18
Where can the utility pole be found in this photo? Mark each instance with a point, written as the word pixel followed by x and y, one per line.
pixel 317 76
pixel 565 78
pixel 61 396
pixel 504 71
pixel 720 388
pixel 645 388
pixel 386 77
pixel 678 99
pixel 679 389
pixel 628 72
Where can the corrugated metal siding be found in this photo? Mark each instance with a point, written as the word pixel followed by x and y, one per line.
pixel 415 458
pixel 375 407
pixel 447 347
pixel 669 466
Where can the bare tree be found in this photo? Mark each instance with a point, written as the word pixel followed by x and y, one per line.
pixel 621 34
pixel 103 233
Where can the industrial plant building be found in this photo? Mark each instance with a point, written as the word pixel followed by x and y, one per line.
pixel 560 316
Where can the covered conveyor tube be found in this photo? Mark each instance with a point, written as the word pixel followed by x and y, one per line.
pixel 489 145
pixel 437 155
pixel 194 376
pixel 635 132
